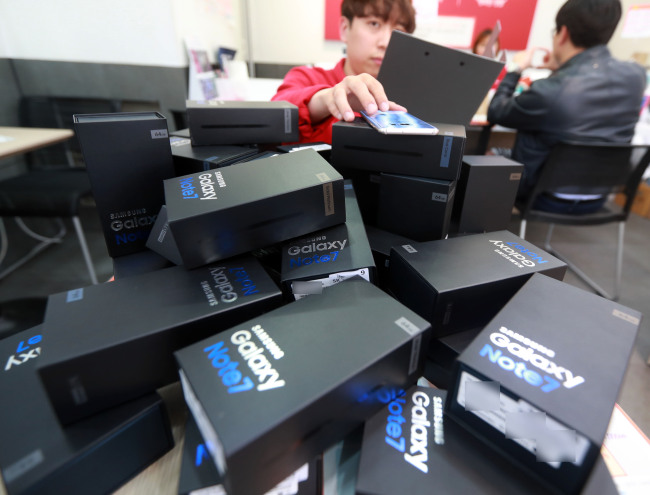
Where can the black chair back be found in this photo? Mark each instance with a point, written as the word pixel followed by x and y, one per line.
pixel 57 112
pixel 589 168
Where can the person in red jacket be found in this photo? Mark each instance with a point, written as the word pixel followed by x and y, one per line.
pixel 326 96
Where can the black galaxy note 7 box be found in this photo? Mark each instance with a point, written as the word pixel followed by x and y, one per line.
pixel 115 341
pixel 241 122
pixel 95 455
pixel 412 447
pixel 415 207
pixel 323 149
pixel 199 475
pixel 461 283
pixel 485 194
pixel 274 392
pixel 190 159
pixel 381 242
pixel 356 145
pixel 221 213
pixel 127 156
pixel 366 187
pixel 138 263
pixel 328 256
pixel 540 382
pixel 161 240
pixel 443 351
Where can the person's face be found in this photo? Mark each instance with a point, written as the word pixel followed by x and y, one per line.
pixel 366 39
pixel 480 47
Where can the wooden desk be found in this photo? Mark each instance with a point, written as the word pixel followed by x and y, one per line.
pixel 481 136
pixel 17 140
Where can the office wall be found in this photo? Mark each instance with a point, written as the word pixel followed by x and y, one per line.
pixel 624 48
pixel 134 49
pixel 292 31
pixel 296 32
pixel 126 49
pixel 142 32
pixel 9 94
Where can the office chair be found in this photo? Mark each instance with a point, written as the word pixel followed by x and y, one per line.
pixel 588 168
pixel 55 181
pixel 44 193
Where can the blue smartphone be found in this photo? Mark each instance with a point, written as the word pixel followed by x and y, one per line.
pixel 397 122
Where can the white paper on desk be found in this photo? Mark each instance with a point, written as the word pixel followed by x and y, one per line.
pixel 637 22
pixel 626 451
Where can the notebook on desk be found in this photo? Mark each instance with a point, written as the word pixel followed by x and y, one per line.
pixel 436 83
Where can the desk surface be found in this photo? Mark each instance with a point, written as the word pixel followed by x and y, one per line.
pixel 17 140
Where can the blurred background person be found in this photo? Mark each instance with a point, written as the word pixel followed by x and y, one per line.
pixel 481 40
pixel 589 96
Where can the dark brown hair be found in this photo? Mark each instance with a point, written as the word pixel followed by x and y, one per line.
pixel 481 36
pixel 590 22
pixel 398 11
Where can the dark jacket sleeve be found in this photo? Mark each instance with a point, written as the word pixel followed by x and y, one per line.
pixel 526 111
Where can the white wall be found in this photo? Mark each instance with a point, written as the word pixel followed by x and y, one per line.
pixel 151 32
pixel 291 32
pixel 295 32
pixel 142 32
pixel 624 48
pixel 215 23
pixel 544 23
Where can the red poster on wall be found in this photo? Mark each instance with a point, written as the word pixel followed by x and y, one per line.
pixel 516 18
pixel 332 16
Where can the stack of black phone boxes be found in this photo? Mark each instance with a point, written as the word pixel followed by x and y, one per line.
pixel 233 210
pixel 113 342
pixel 328 256
pixel 405 183
pixel 442 355
pixel 485 194
pixel 540 382
pixel 381 241
pixel 215 122
pixel 273 393
pixel 413 447
pixel 96 455
pixel 461 283
pixel 190 159
pixel 127 156
pixel 200 475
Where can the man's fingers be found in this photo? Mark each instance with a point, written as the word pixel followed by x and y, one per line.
pixel 355 93
pixel 359 93
pixel 394 106
pixel 377 92
pixel 340 106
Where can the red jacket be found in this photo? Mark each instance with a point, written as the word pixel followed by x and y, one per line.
pixel 299 86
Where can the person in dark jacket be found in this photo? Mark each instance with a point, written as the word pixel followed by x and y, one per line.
pixel 589 96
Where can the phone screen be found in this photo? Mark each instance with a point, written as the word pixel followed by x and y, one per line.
pixel 397 122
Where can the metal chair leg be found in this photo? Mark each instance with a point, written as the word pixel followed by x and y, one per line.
pixel 522 229
pixel 582 275
pixel 44 242
pixel 619 260
pixel 547 239
pixel 84 248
